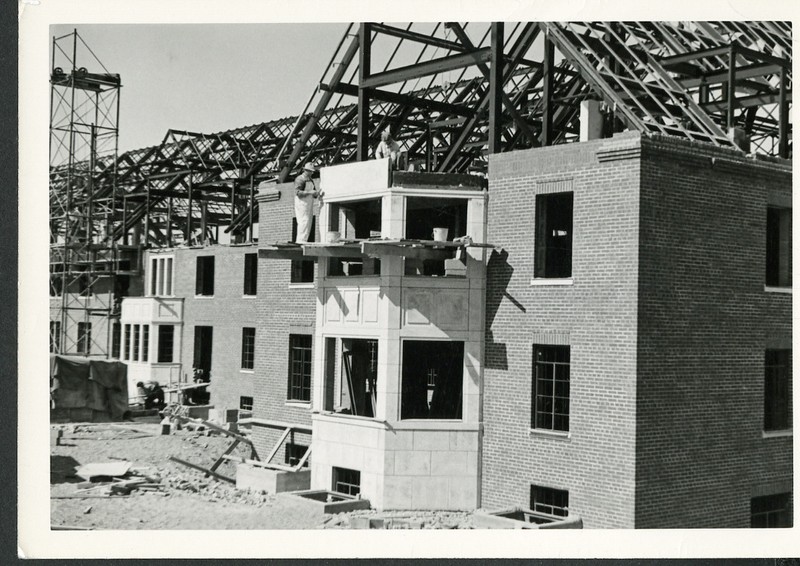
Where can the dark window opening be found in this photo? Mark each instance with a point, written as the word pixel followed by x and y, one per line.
pixel 55 336
pixel 56 285
pixel 777 414
pixel 84 338
pixel 203 347
pixel 771 511
pixel 116 331
pixel 145 341
pixel 84 285
pixel 127 350
pixel 246 403
pixel 423 214
pixel 294 453
pixel 551 388
pixel 350 266
pixel 302 270
pixel 779 247
pixel 553 235
pixel 346 481
pixel 166 343
pixel 354 374
pixel 137 328
pixel 204 282
pixel 356 220
pixel 549 501
pixel 421 360
pixel 250 274
pixel 248 347
pixel 299 367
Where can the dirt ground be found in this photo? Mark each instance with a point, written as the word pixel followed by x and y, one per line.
pixel 186 498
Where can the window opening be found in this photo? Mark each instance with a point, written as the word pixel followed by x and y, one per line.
pixel 127 350
pixel 204 283
pixel 437 361
pixel 346 481
pixel 777 414
pixel 137 329
pixel 250 274
pixel 145 341
pixel 771 511
pixel 55 336
pixel 351 376
pixel 84 338
pixel 549 501
pixel 779 247
pixel 294 453
pixel 359 220
pixel 423 214
pixel 246 403
pixel 551 388
pixel 299 367
pixel 248 347
pixel 203 348
pixel 116 330
pixel 166 343
pixel 553 235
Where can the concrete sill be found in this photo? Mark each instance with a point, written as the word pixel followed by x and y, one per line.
pixel 786 290
pixel 203 297
pixel 249 296
pixel 550 434
pixel 301 285
pixel 776 433
pixel 542 282
pixel 247 371
pixel 298 404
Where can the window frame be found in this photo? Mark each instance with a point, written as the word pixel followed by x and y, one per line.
pixel 55 336
pixel 303 390
pixel 353 484
pixel 777 396
pixel 775 250
pixel 539 385
pixel 248 354
pixel 250 285
pixel 779 515
pixel 161 280
pixel 84 342
pixel 161 350
pixel 542 267
pixel 549 507
pixel 204 274
pixel 242 403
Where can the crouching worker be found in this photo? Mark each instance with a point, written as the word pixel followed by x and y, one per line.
pixel 152 393
pixel 304 196
pixel 388 148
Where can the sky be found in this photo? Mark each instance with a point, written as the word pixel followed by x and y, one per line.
pixel 205 78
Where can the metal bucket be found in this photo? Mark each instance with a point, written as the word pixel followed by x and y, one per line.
pixel 440 234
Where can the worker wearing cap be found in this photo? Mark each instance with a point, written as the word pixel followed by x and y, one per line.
pixel 387 148
pixel 304 196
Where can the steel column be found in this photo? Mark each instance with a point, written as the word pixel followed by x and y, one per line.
pixel 496 88
pixel 364 60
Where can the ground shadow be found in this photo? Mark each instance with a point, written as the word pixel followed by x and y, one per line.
pixel 62 469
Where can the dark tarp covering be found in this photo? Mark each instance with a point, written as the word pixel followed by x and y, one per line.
pixel 100 385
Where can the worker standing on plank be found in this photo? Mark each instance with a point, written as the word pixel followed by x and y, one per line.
pixel 388 148
pixel 304 202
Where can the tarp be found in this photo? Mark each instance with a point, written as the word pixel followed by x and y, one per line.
pixel 78 382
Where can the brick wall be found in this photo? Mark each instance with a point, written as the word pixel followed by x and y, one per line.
pixel 282 309
pixel 704 322
pixel 227 312
pixel 596 316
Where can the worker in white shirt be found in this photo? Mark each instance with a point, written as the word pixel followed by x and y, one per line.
pixel 304 194
pixel 387 148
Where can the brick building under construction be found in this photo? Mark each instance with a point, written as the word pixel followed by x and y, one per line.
pixel 603 333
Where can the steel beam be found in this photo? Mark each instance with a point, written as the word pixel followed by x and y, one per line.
pixel 418 37
pixel 440 65
pixel 405 99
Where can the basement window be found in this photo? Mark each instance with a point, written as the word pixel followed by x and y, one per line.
pixel 771 511
pixel 424 215
pixel 777 415
pixel 359 220
pixel 294 453
pixel 346 481
pixel 204 281
pixel 351 376
pixel 250 274
pixel 553 243
pixel 302 270
pixel 246 403
pixel 779 247
pixel 549 501
pixel 432 379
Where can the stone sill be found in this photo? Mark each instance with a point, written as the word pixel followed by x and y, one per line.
pixel 249 296
pixel 301 285
pixel 542 282
pixel 786 290
pixel 203 297
pixel 247 371
pixel 298 404
pixel 550 434
pixel 776 433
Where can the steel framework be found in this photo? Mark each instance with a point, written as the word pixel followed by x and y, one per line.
pixel 451 93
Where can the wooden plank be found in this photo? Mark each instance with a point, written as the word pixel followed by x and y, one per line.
pixel 279 467
pixel 202 469
pixel 215 427
pixel 419 252
pixel 303 460
pixel 275 424
pixel 285 253
pixel 221 459
pixel 333 250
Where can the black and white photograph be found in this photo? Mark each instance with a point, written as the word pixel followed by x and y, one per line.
pixel 504 276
